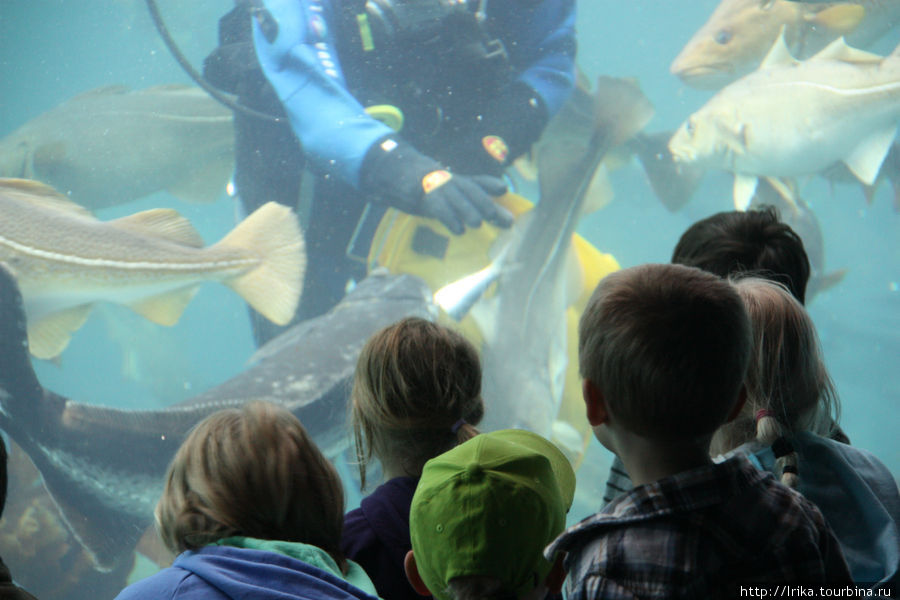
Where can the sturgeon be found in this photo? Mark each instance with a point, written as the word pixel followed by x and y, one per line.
pixel 104 467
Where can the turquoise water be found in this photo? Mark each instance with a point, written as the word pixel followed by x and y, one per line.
pixel 51 50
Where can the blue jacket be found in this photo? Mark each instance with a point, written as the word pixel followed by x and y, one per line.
pixel 228 573
pixel 302 65
pixel 858 496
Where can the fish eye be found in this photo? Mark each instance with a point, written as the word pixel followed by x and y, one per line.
pixel 723 37
pixel 689 127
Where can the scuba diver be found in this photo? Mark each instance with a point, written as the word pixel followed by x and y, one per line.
pixel 418 105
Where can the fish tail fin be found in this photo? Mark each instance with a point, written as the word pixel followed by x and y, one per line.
pixel 673 183
pixel 273 288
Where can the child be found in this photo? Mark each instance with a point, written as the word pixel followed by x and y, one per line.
pixel 755 241
pixel 416 393
pixel 482 515
pixel 663 350
pixel 788 392
pixel 255 511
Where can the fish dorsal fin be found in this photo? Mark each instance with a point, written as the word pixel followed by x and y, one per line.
pixel 49 336
pixel 165 223
pixel 842 18
pixel 43 195
pixel 839 50
pixel 778 55
pixel 165 309
pixel 865 160
pixel 744 189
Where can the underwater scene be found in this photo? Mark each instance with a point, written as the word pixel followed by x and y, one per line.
pixel 98 117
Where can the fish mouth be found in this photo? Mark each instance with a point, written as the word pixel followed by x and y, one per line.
pixel 706 76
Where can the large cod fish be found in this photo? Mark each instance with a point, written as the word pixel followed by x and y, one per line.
pixel 790 118
pixel 65 260
pixel 104 467
pixel 739 33
pixel 113 145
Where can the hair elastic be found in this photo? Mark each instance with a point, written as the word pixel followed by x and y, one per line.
pixel 762 413
pixel 457 425
pixel 781 447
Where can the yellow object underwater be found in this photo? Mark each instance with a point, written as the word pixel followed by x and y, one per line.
pixel 423 247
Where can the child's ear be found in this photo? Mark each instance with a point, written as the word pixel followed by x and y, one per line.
pixel 739 405
pixel 412 573
pixel 594 403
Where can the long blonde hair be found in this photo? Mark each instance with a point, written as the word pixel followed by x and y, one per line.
pixel 251 471
pixel 788 386
pixel 416 393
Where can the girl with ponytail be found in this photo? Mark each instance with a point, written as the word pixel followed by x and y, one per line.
pixel 785 425
pixel 416 394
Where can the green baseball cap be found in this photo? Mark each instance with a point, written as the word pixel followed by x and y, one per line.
pixel 488 508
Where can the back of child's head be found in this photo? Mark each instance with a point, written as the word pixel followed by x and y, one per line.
pixel 788 386
pixel 416 393
pixel 668 347
pixel 754 241
pixel 483 513
pixel 251 471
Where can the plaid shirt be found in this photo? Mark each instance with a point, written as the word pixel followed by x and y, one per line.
pixel 699 534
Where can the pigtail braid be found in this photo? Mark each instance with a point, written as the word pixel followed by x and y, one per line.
pixel 769 432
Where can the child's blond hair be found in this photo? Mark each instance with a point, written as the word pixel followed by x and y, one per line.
pixel 416 393
pixel 251 471
pixel 788 386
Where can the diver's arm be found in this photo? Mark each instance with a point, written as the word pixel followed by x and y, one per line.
pixel 540 42
pixel 544 52
pixel 300 62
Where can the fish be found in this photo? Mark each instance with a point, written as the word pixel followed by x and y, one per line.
pixel 66 260
pixel 113 145
pixel 739 33
pixel 792 118
pixel 525 320
pixel 104 467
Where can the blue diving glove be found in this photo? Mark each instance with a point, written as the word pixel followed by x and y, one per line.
pixel 400 176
